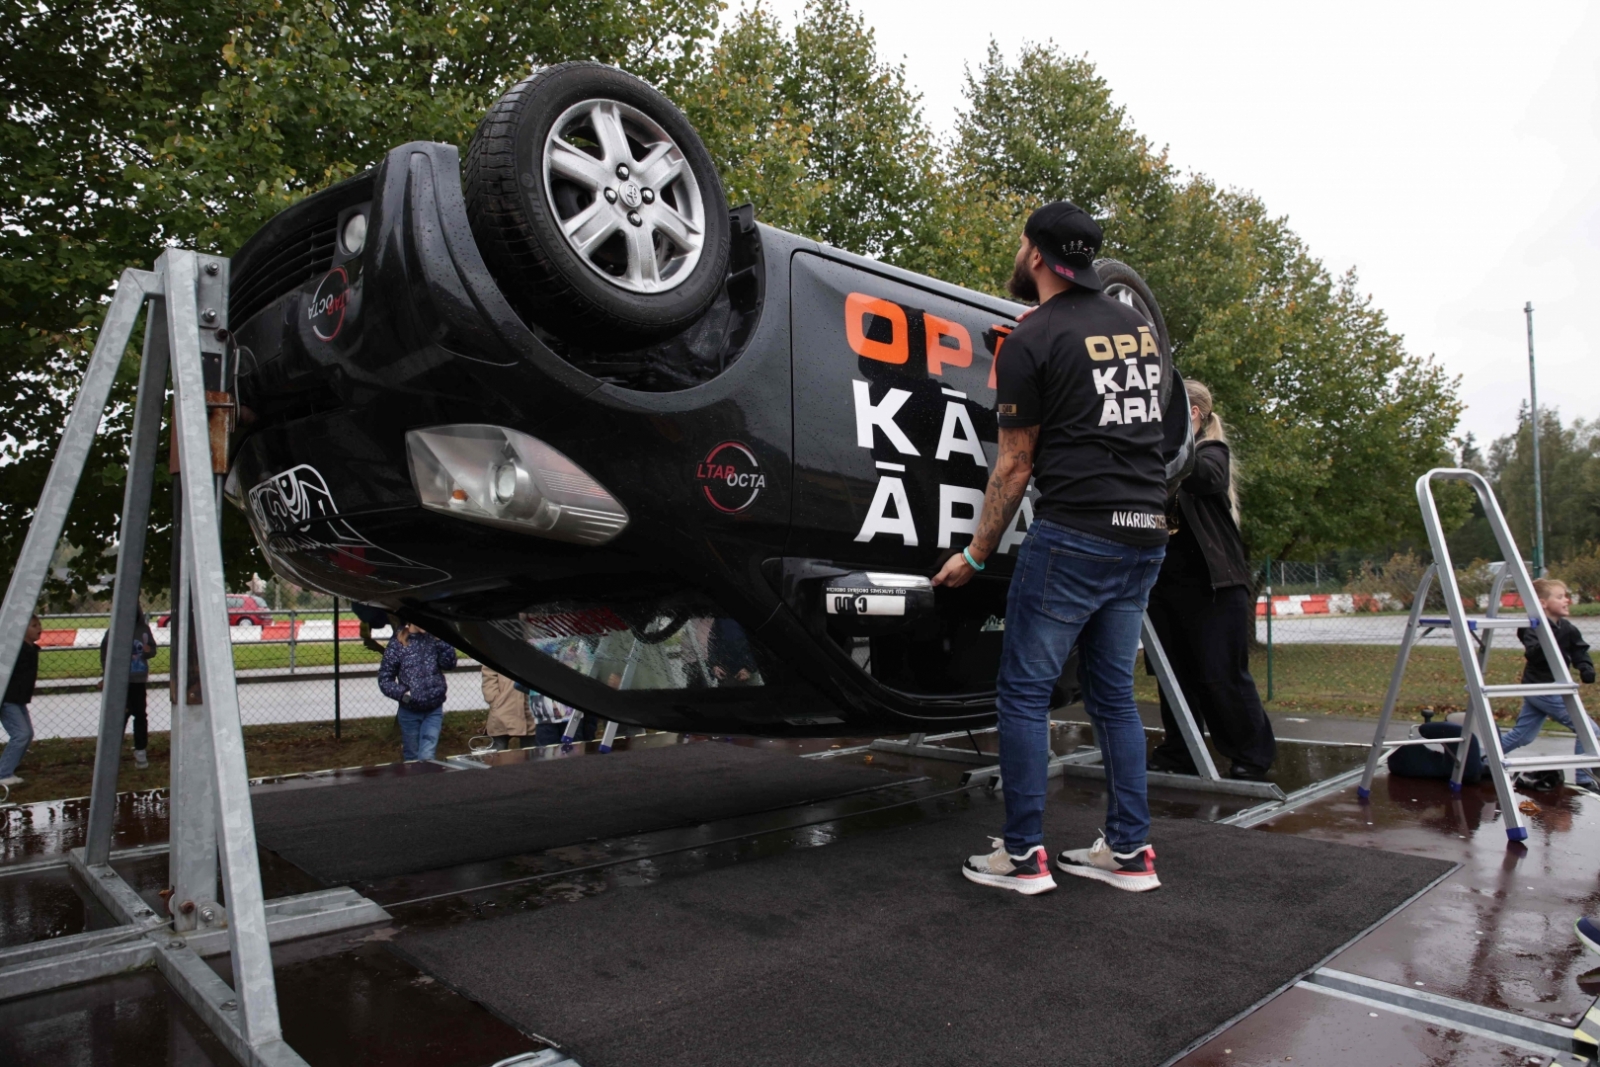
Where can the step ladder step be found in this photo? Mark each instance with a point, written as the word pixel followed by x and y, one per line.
pixel 1423 741
pixel 1482 622
pixel 1545 689
pixel 1550 763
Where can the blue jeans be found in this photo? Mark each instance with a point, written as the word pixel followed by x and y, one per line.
pixel 19 731
pixel 1535 710
pixel 1072 587
pixel 419 732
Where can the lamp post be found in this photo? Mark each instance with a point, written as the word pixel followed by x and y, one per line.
pixel 1538 471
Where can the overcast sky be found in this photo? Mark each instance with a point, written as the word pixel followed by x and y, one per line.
pixel 1450 152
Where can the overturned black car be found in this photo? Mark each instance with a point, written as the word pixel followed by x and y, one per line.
pixel 664 463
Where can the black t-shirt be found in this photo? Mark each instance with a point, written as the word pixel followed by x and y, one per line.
pixel 1085 369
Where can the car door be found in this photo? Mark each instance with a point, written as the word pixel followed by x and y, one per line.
pixel 894 435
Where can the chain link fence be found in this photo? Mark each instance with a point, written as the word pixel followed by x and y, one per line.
pixel 290 668
pixel 1327 644
pixel 1329 641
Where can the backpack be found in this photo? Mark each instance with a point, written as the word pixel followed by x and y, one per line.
pixel 1436 761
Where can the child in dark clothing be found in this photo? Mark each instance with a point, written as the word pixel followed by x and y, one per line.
pixel 14 708
pixel 1557 604
pixel 412 673
pixel 143 650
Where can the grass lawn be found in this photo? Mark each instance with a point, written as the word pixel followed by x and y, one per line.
pixel 1351 680
pixel 62 767
pixel 85 662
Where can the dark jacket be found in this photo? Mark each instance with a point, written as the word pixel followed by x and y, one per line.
pixel 143 650
pixel 413 673
pixel 1574 649
pixel 20 689
pixel 1206 548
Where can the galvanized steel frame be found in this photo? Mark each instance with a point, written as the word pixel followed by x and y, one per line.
pixel 210 801
pixel 1082 764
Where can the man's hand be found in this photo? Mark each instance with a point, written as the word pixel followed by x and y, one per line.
pixel 1007 485
pixel 955 573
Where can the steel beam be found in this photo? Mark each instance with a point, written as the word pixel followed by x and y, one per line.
pixel 1456 1014
pixel 45 965
pixel 1298 799
pixel 1231 786
pixel 53 862
pixel 916 745
pixel 149 406
pixel 72 454
pixel 1188 726
pixel 106 957
pixel 257 1009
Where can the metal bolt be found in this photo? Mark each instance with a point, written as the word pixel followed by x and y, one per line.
pixel 208 915
pixel 186 907
pixel 213 269
pixel 647 195
pixel 209 315
pixel 174 944
pixel 633 217
pixel 108 874
pixel 611 196
pixel 230 1005
pixel 622 171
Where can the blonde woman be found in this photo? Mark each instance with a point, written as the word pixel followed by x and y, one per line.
pixel 1201 610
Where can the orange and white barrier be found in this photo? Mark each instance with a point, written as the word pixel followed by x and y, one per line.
pixel 277 632
pixel 1326 604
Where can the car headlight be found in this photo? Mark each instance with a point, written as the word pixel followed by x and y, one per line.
pixel 508 479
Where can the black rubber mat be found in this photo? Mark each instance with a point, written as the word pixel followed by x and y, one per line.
pixel 874 950
pixel 382 827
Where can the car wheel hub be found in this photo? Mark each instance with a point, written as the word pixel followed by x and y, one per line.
pixel 623 195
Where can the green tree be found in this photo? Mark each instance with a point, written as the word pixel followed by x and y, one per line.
pixel 1331 418
pixel 1569 459
pixel 132 126
pixel 824 137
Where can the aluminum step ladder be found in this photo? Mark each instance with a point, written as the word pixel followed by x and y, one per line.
pixel 1474 639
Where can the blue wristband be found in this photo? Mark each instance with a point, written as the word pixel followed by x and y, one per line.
pixel 974 564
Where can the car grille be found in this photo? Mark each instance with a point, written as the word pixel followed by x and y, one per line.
pixel 296 247
pixel 303 256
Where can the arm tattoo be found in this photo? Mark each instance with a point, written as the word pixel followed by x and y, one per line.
pixel 1007 486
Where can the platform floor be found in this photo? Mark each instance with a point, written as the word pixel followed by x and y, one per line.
pixel 1497 932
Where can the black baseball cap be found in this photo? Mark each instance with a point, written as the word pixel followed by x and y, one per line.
pixel 1068 239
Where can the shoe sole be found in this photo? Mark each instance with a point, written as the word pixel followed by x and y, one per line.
pixel 1131 883
pixel 1027 887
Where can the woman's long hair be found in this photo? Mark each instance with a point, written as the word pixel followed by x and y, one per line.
pixel 1211 429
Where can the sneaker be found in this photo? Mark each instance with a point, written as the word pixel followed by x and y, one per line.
pixel 1028 874
pixel 1588 933
pixel 141 759
pixel 1134 871
pixel 9 782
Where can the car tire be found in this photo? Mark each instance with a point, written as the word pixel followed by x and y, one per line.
pixel 1121 282
pixel 583 249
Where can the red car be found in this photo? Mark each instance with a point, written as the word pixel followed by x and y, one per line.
pixel 243 609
